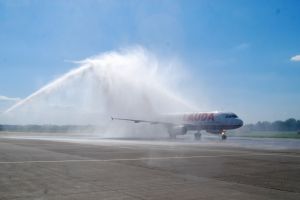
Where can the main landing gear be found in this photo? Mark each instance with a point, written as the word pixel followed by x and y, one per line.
pixel 172 136
pixel 197 135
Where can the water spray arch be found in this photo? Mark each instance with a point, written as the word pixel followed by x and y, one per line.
pixel 129 82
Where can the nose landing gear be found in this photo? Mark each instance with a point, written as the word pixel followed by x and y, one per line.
pixel 223 136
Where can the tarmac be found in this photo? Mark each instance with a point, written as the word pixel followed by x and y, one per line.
pixel 94 168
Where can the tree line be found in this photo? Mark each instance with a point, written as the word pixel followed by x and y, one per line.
pixel 287 125
pixel 48 128
pixel 290 124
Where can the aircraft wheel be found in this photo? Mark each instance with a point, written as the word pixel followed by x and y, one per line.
pixel 197 136
pixel 172 136
pixel 224 137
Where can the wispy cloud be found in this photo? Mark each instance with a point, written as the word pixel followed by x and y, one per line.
pixel 295 58
pixel 5 98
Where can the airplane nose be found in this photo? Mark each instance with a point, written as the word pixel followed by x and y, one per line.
pixel 241 123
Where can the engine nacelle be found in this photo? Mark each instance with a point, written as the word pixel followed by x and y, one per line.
pixel 177 130
pixel 214 131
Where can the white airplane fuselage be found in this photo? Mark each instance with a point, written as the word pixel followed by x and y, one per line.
pixel 180 124
pixel 212 122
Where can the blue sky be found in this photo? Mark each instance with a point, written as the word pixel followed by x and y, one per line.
pixel 239 53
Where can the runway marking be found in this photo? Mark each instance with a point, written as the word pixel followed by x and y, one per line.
pixel 145 158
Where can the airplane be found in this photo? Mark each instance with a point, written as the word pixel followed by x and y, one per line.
pixel 180 124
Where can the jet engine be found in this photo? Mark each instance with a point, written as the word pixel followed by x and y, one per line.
pixel 177 130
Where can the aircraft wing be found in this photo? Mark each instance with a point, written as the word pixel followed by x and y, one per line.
pixel 139 121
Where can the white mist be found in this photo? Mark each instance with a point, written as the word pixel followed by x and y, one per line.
pixel 128 83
